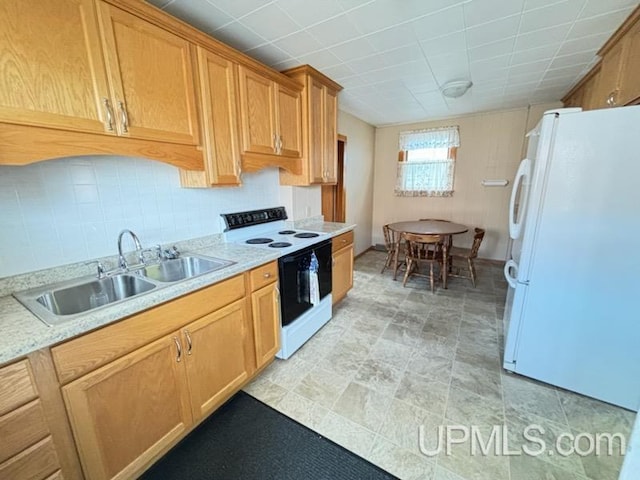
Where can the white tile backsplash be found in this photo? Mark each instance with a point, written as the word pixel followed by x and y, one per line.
pixel 69 210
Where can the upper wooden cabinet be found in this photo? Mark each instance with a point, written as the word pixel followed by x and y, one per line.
pixel 615 80
pixel 56 81
pixel 319 131
pixel 271 118
pixel 220 130
pixel 151 78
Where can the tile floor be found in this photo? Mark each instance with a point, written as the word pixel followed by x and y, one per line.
pixel 393 359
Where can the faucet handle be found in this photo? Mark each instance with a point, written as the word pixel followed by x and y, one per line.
pixel 102 270
pixel 171 254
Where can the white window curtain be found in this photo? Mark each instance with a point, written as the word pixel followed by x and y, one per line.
pixel 431 176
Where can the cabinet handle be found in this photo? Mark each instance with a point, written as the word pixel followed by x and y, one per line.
pixel 277 295
pixel 344 241
pixel 189 342
pixel 125 117
pixel 333 261
pixel 109 111
pixel 275 143
pixel 238 168
pixel 279 144
pixel 266 275
pixel 178 349
pixel 611 101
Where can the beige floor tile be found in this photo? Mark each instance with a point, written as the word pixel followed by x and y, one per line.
pixel 426 363
pixel 442 473
pixel 288 373
pixel 477 379
pixel 322 387
pixel 392 353
pixel 485 356
pixel 423 392
pixel 589 415
pixel 267 392
pixel 402 426
pixel 402 463
pixel 363 406
pixel 349 434
pixel 468 408
pixel 402 335
pixel 526 395
pixel 531 468
pixel 372 326
pixel 379 376
pixel 437 345
pixel 301 409
pixel 602 465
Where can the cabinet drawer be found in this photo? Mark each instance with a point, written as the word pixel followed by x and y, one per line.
pixel 37 462
pixel 342 241
pixel 264 275
pixel 86 353
pixel 21 428
pixel 16 386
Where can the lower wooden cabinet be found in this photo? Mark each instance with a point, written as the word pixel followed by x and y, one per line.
pixel 128 412
pixel 342 272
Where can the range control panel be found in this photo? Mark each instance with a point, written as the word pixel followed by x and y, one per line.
pixel 253 217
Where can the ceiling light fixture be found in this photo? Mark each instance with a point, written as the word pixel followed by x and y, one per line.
pixel 456 88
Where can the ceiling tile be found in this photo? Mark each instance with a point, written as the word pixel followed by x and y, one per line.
pixel 336 30
pixel 159 3
pixel 451 43
pixel 539 38
pixel 199 13
pixel 438 24
pixel 599 24
pixel 351 4
pixel 478 12
pixel 590 43
pixel 556 14
pixel 358 48
pixel 573 59
pixel 392 37
pixel 238 36
pixel 493 31
pixel 368 64
pixel 533 54
pixel 339 72
pixel 310 13
pixel 563 72
pixel 490 50
pixel 239 9
pixel 598 7
pixel 299 43
pixel 535 4
pixel 270 22
pixel 375 16
pixel 268 54
pixel 533 67
pixel 320 59
pixel 447 68
pixel 409 53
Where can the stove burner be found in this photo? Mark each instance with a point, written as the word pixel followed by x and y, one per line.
pixel 306 235
pixel 254 241
pixel 287 232
pixel 279 244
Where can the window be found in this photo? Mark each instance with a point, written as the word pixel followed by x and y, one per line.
pixel 426 162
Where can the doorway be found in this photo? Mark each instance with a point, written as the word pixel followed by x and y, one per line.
pixel 334 196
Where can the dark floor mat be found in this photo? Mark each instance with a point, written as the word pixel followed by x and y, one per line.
pixel 248 440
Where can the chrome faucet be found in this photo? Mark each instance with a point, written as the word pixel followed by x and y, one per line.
pixel 122 262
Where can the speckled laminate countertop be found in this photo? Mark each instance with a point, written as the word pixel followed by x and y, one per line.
pixel 21 332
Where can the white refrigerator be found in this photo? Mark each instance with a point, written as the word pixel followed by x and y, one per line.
pixel 572 316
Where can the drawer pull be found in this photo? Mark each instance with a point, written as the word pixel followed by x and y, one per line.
pixel 109 111
pixel 189 341
pixel 267 275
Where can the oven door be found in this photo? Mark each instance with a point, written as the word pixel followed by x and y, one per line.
pixel 295 298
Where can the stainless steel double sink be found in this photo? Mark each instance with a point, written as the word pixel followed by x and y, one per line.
pixel 61 302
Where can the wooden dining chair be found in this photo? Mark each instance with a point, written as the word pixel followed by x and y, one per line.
pixel 422 249
pixel 390 243
pixel 468 256
pixel 446 238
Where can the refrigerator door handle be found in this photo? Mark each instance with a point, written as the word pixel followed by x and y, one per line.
pixel 512 280
pixel 522 175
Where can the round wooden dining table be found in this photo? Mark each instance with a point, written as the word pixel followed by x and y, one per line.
pixel 426 227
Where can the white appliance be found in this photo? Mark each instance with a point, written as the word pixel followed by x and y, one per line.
pixel 572 316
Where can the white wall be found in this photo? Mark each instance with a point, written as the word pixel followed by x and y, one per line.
pixel 70 210
pixel 491 146
pixel 359 169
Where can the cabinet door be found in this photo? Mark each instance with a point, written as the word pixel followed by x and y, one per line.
pixel 220 121
pixel 315 137
pixel 342 273
pixel 52 66
pixel 151 75
pixel 330 136
pixel 257 112
pixel 127 412
pixel 218 356
pixel 266 322
pixel 630 80
pixel 289 122
pixel 606 86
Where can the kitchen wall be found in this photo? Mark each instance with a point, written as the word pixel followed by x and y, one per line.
pixel 69 210
pixel 491 146
pixel 359 167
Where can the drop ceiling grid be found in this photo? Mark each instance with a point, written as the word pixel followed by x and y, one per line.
pixel 393 56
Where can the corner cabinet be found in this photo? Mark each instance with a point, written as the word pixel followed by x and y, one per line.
pixel 319 131
pixel 133 389
pixel 342 271
pixel 270 120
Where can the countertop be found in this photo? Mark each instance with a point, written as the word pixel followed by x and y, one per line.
pixel 21 332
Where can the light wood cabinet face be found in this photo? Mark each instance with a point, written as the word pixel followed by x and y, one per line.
pixel 266 322
pixel 289 122
pixel 342 273
pixel 53 71
pixel 330 136
pixel 216 358
pixel 315 130
pixel 151 75
pixel 257 112
pixel 630 77
pixel 38 461
pixel 130 410
pixel 220 120
pixel 606 86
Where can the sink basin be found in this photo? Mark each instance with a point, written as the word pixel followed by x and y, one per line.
pixel 183 267
pixel 56 304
